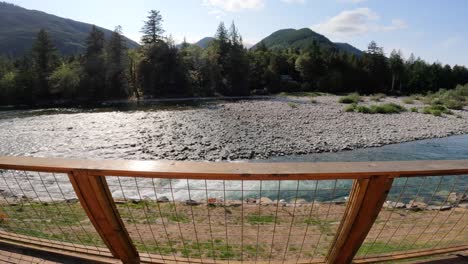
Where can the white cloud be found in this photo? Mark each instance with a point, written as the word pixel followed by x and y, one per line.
pixel 356 22
pixel 235 5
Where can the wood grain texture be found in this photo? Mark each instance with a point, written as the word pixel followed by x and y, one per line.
pixel 96 200
pixel 239 171
pixel 365 202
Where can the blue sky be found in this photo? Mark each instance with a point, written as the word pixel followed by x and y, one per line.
pixel 435 30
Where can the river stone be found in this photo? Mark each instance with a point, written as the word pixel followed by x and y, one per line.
pixel 439 207
pixel 390 205
pixel 163 199
pixel 416 206
pixel 452 197
pixel 191 202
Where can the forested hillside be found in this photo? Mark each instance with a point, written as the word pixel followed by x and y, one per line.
pixel 108 69
pixel 19 27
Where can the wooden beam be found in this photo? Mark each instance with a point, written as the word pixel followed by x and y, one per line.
pixel 95 197
pixel 240 171
pixel 365 202
pixel 411 254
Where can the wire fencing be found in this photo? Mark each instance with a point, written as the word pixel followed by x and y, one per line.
pixel 420 214
pixel 44 206
pixel 273 221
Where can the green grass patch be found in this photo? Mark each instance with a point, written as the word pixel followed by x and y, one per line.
pixel 323 225
pixel 292 105
pixel 390 108
pixel 353 98
pixel 260 219
pixel 437 110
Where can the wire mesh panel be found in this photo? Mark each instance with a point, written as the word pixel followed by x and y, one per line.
pixel 43 208
pixel 223 220
pixel 420 214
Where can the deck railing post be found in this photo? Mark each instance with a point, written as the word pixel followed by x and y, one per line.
pixel 364 204
pixel 96 199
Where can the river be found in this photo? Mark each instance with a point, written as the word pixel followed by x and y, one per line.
pixel 122 133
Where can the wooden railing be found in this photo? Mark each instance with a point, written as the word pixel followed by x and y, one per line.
pixel 360 212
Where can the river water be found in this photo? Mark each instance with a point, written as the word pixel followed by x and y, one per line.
pixel 119 133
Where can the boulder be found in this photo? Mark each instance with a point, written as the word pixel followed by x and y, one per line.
pixel 452 197
pixel 191 202
pixel 391 205
pixel 416 206
pixel 163 199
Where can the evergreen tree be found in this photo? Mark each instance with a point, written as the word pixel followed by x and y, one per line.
pixel 94 82
pixel 397 68
pixel 45 60
pixel 152 29
pixel 116 65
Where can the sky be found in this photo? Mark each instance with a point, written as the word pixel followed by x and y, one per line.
pixel 435 30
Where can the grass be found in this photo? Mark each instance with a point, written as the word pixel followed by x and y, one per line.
pixel 292 105
pixel 323 225
pixel 352 98
pixel 414 109
pixel 382 248
pixel 390 108
pixel 260 219
pixel 436 110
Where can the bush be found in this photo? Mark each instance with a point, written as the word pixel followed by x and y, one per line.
pixel 378 97
pixel 414 109
pixel 389 108
pixel 437 110
pixel 353 98
pixel 453 104
pixel 350 108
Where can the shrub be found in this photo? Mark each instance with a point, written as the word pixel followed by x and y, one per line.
pixel 389 108
pixel 353 98
pixel 350 108
pixel 437 110
pixel 378 97
pixel 363 109
pixel 453 104
pixel 414 109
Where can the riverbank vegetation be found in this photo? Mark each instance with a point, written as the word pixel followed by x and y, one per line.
pixel 159 68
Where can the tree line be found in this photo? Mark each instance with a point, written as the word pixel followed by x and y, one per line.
pixel 158 68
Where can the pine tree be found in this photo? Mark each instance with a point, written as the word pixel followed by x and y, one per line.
pixel 397 67
pixel 94 83
pixel 45 60
pixel 116 65
pixel 152 29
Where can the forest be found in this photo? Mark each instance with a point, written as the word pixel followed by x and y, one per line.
pixel 109 70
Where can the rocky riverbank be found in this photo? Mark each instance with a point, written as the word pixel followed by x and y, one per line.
pixel 227 130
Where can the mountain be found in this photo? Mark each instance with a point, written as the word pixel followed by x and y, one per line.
pixel 19 28
pixel 302 38
pixel 204 42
